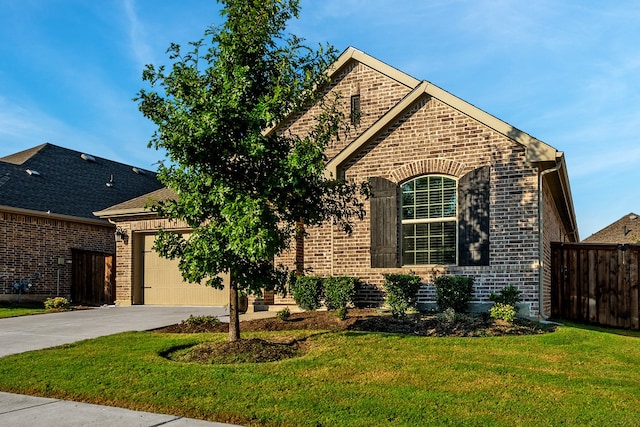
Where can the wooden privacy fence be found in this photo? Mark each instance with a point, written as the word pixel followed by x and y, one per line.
pixel 596 283
pixel 92 280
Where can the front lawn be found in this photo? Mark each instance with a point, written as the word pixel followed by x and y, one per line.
pixel 574 376
pixel 23 309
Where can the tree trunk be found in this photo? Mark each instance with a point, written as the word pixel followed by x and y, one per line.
pixel 299 248
pixel 234 317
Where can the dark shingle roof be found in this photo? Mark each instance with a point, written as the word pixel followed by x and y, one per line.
pixel 625 230
pixel 62 182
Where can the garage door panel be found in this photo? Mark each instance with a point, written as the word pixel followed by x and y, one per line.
pixel 163 284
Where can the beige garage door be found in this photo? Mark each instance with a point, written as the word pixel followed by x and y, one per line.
pixel 163 284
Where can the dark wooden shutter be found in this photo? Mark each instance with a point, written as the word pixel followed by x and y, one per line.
pixel 384 223
pixel 473 217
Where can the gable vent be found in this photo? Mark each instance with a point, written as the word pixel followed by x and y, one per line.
pixel 33 172
pixel 87 157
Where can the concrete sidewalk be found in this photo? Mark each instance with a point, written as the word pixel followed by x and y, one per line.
pixel 28 411
pixel 26 333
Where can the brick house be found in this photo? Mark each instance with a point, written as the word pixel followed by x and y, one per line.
pixel 455 191
pixel 47 198
pixel 626 230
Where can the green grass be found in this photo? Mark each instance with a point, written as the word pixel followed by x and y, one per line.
pixel 25 309
pixel 575 376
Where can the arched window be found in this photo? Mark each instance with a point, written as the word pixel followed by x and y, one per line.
pixel 429 220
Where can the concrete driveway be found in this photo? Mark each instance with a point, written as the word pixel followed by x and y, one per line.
pixel 26 333
pixel 20 334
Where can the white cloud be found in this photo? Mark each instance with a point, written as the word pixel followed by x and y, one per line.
pixel 142 51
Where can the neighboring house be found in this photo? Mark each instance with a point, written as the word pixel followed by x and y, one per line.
pixel 626 230
pixel 47 198
pixel 455 191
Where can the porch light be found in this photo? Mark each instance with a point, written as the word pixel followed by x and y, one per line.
pixel 120 234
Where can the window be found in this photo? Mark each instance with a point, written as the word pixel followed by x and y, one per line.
pixel 429 220
pixel 355 110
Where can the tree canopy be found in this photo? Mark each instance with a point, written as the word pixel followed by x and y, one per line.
pixel 243 186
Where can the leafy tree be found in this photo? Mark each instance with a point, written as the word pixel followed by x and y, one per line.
pixel 242 184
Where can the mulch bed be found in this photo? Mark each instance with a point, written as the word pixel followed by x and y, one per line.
pixel 257 350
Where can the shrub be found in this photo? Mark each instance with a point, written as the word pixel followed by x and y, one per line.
pixel 509 295
pixel 202 321
pixel 402 292
pixel 284 314
pixel 503 311
pixel 339 291
pixel 307 292
pixel 453 292
pixel 57 303
pixel 448 316
pixel 341 313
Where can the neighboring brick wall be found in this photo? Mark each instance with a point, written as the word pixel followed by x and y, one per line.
pixel 34 243
pixel 433 137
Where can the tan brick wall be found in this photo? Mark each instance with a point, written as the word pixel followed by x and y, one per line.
pixel 378 94
pixel 128 261
pixel 433 137
pixel 33 243
pixel 553 232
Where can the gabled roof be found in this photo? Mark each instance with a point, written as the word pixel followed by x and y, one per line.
pixel 63 182
pixel 624 231
pixel 352 53
pixel 138 205
pixel 538 153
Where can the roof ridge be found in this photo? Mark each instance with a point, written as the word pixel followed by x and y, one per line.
pixel 373 63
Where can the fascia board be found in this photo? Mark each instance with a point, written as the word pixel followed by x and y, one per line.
pixel 563 175
pixel 40 214
pixel 112 213
pixel 536 150
pixel 373 63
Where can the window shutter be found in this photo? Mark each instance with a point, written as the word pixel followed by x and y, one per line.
pixel 384 223
pixel 473 217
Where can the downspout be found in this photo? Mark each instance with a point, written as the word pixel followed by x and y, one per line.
pixel 541 239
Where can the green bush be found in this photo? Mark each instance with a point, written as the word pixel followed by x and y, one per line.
pixel 307 292
pixel 503 311
pixel 448 316
pixel 57 303
pixel 284 314
pixel 509 295
pixel 341 313
pixel 402 292
pixel 202 321
pixel 453 292
pixel 339 291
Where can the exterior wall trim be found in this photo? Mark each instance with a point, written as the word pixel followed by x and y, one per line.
pixel 77 219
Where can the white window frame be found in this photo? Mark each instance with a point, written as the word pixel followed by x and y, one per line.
pixel 444 219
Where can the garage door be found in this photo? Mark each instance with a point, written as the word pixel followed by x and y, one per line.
pixel 163 284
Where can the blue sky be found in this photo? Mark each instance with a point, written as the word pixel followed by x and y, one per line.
pixel 565 71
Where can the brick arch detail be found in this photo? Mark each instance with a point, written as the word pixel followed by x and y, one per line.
pixel 427 166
